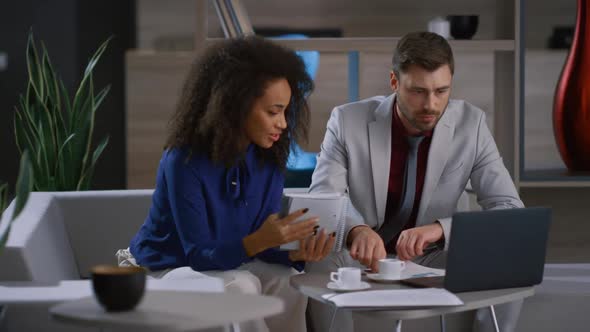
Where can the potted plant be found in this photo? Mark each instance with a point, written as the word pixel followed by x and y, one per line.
pixel 56 130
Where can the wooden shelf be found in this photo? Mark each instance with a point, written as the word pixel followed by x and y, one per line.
pixel 385 44
pixel 554 178
pixel 555 184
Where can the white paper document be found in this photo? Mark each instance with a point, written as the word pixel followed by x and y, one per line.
pixel 413 270
pixel 423 297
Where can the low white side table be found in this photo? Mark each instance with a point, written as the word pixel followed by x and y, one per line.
pixel 172 311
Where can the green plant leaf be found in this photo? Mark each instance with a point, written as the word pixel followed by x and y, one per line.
pixel 51 81
pixel 84 183
pixel 21 135
pixel 60 171
pixel 89 117
pixel 96 56
pixel 24 185
pixel 41 160
pixel 4 238
pixel 33 64
pixel 99 149
pixel 53 101
pixel 26 140
pixel 26 115
pixel 66 104
pixel 3 206
pixel 100 97
pixel 3 198
pixel 62 164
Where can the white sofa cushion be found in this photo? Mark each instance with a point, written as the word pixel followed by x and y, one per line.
pixel 99 223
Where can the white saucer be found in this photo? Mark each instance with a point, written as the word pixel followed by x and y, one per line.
pixel 334 286
pixel 379 278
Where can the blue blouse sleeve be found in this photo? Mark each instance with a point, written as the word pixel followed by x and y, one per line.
pixel 274 255
pixel 190 216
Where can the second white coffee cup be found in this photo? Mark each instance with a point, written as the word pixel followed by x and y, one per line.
pixel 347 277
pixel 391 268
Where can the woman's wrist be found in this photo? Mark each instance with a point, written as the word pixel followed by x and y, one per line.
pixel 252 245
pixel 292 256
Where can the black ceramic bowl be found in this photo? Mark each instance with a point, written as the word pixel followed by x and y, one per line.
pixel 118 288
pixel 463 26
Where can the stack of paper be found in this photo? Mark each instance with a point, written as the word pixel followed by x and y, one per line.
pixel 423 297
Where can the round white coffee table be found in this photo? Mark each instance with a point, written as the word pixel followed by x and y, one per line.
pixel 171 311
pixel 314 286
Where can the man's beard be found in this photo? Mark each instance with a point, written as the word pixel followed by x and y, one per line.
pixel 413 122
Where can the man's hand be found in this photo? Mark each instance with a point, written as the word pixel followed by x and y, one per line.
pixel 367 247
pixel 411 242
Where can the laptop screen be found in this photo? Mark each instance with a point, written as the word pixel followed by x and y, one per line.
pixel 497 249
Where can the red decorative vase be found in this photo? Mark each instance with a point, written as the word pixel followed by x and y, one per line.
pixel 571 108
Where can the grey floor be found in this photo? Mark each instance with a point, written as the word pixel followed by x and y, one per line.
pixel 561 302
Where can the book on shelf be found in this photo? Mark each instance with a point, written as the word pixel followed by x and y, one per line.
pixel 331 208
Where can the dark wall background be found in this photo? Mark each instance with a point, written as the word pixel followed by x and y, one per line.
pixel 71 31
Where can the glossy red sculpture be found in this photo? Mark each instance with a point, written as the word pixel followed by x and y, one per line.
pixel 571 108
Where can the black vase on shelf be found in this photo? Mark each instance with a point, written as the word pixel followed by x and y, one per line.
pixel 463 26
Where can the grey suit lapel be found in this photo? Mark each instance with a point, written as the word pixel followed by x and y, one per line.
pixel 437 159
pixel 380 153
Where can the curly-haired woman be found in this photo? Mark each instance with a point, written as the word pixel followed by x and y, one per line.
pixel 220 179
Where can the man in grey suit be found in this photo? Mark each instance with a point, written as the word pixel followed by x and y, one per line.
pixel 405 197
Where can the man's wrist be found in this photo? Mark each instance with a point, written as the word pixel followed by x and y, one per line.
pixel 354 232
pixel 441 241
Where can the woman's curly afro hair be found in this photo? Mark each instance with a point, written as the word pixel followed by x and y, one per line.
pixel 220 91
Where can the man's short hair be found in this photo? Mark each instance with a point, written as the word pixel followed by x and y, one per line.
pixel 425 49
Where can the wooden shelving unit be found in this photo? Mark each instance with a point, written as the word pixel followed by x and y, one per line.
pixel 385 44
pixel 504 44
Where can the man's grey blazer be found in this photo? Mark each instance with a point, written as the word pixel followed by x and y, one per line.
pixel 355 158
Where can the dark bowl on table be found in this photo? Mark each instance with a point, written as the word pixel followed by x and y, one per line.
pixel 118 288
pixel 463 26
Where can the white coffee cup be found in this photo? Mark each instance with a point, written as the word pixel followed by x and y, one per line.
pixel 347 277
pixel 391 268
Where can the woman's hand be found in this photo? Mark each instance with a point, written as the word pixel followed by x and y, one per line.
pixel 314 248
pixel 275 231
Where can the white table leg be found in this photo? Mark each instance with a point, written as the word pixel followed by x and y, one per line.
pixel 442 324
pixel 493 312
pixel 398 325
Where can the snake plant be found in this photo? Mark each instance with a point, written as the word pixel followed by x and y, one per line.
pixel 56 130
